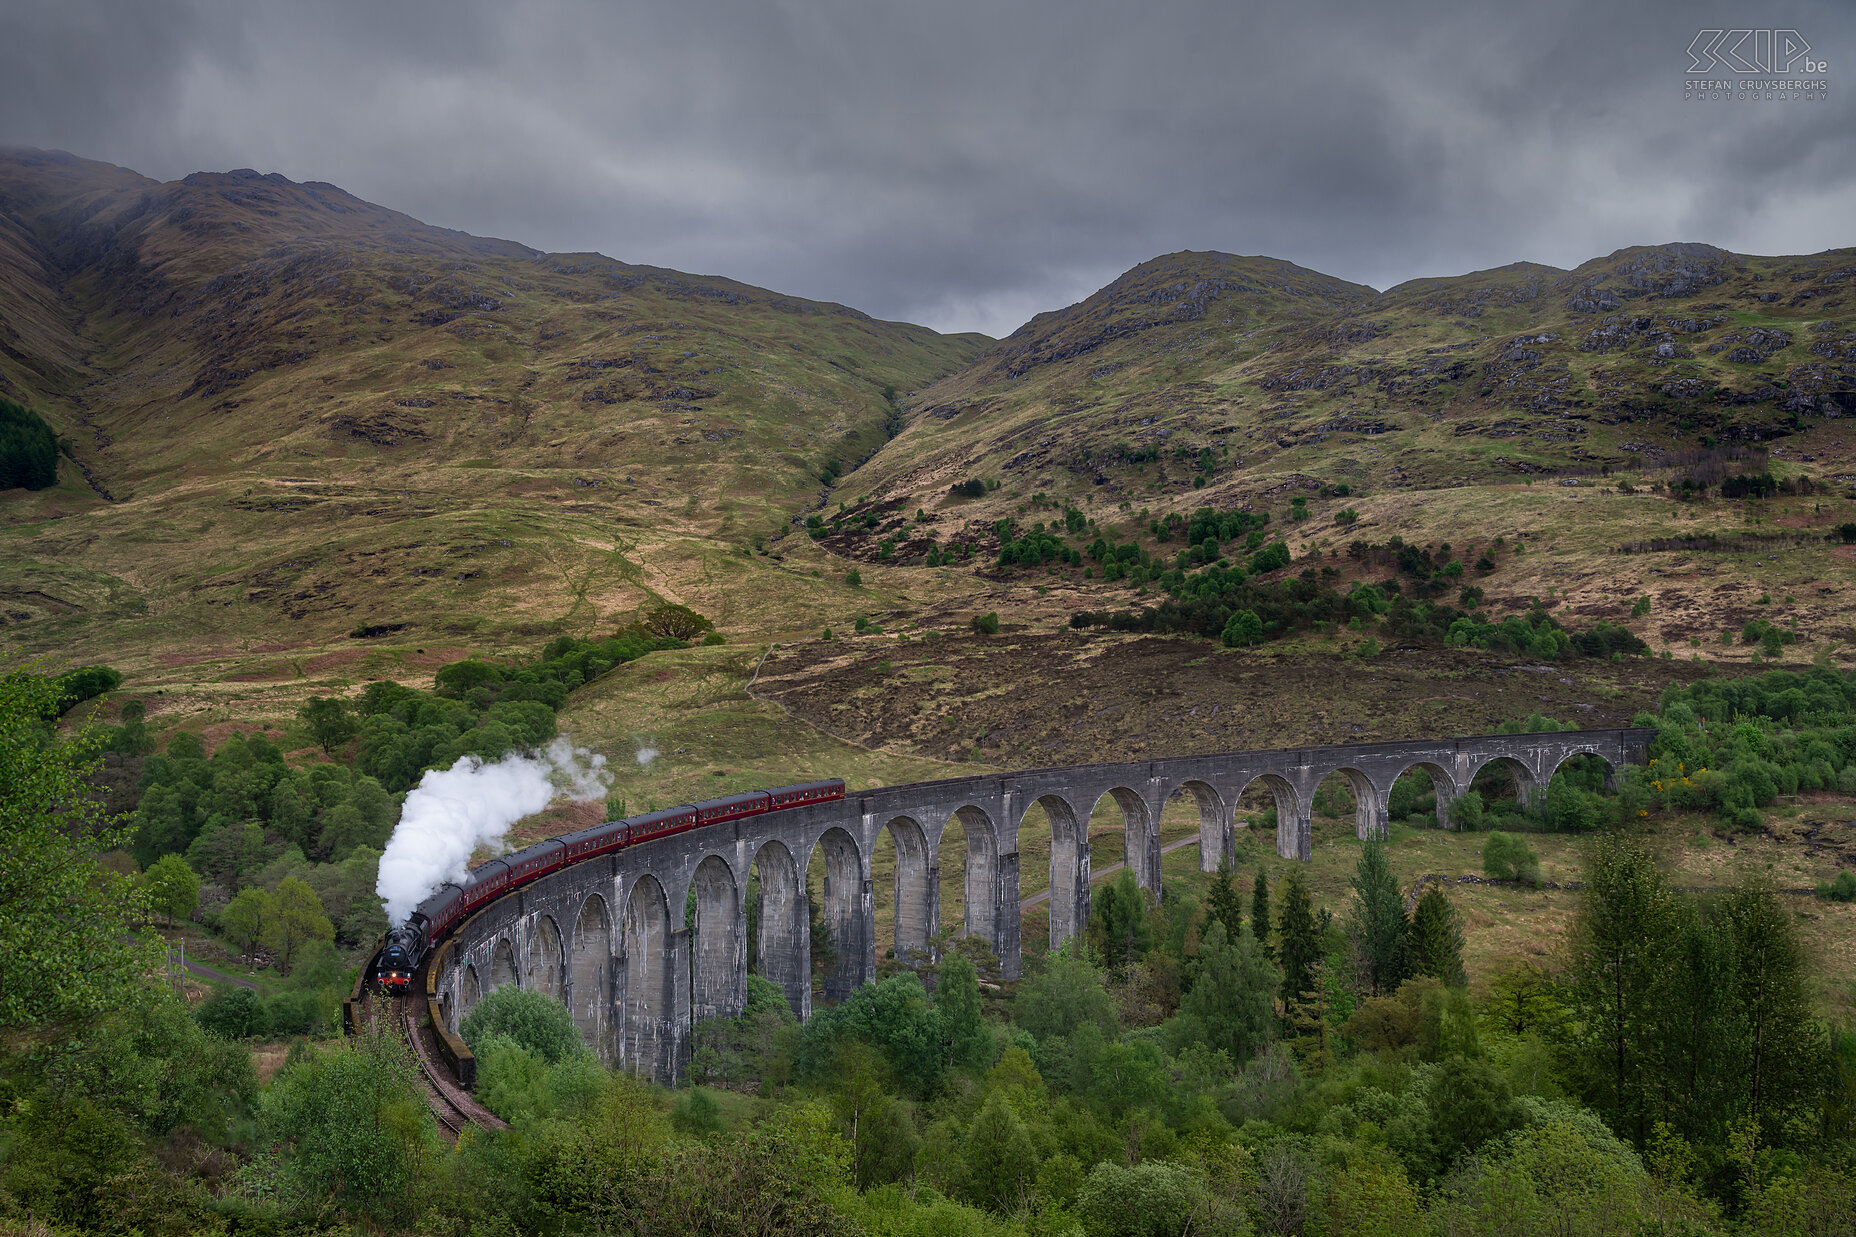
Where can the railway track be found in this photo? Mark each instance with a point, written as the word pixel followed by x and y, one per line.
pixel 452 1106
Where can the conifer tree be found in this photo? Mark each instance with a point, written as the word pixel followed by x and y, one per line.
pixel 1298 941
pixel 1780 1045
pixel 1619 947
pixel 1437 938
pixel 1118 930
pixel 966 1041
pixel 1229 1006
pixel 1260 912
pixel 1224 902
pixel 1697 1048
pixel 1377 925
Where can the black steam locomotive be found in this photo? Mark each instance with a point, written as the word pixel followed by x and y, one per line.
pixel 406 946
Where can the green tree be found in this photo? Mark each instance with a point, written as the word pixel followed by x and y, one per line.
pixel 1298 941
pixel 1118 930
pixel 881 1139
pixel 172 887
pixel 1231 1005
pixel 28 449
pixel 673 622
pixel 66 953
pixel 1702 1079
pixel 1506 857
pixel 1223 902
pixel 244 922
pixel 1437 938
pixel 1619 949
pixel 353 1123
pixel 1002 1161
pixel 1260 920
pixel 1065 995
pixel 1150 1199
pixel 1466 811
pixel 329 722
pixel 1469 1104
pixel 1376 923
pixel 299 919
pixel 539 1024
pixel 1781 1048
pixel 1244 629
pixel 957 1001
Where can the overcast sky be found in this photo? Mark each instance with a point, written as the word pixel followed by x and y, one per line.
pixel 967 163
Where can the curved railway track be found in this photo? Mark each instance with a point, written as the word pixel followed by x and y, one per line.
pixel 452 1106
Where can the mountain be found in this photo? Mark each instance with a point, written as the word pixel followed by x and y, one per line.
pixel 313 441
pixel 291 412
pixel 1286 374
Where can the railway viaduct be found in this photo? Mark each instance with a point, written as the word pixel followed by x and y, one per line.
pixel 611 937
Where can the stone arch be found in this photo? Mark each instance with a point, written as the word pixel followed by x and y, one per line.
pixel 917 881
pixel 544 957
pixel 1293 839
pixel 1526 785
pixel 1369 809
pixel 1215 835
pixel 979 887
pixel 503 972
pixel 1140 833
pixel 845 907
pixel 590 971
pixel 1561 760
pixel 1069 868
pixel 1443 786
pixel 782 931
pixel 718 971
pixel 645 1024
pixel 470 991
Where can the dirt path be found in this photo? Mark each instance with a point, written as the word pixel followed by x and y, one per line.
pixel 207 972
pixel 1096 874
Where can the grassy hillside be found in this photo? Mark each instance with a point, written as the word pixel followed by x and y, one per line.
pixel 292 414
pixel 313 442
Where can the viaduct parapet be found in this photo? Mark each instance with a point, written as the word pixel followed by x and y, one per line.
pixel 612 939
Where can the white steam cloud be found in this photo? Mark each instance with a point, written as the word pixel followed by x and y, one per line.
pixel 646 755
pixel 453 811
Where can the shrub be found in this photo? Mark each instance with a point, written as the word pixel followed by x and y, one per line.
pixel 540 1025
pixel 972 487
pixel 1842 889
pixel 1245 628
pixel 1466 811
pixel 1509 858
pixel 986 624
pixel 854 578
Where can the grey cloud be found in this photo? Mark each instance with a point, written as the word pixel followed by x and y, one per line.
pixel 965 163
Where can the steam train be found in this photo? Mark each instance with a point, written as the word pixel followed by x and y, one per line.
pixel 449 904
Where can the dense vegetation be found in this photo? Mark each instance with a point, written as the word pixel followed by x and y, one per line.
pixel 28 449
pixel 1242 1063
pixel 275 844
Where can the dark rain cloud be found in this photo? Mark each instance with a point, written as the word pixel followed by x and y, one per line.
pixel 967 164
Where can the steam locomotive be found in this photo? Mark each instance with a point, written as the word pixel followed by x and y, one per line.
pixel 448 905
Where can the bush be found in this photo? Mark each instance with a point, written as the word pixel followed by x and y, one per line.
pixel 972 487
pixel 1245 629
pixel 1509 858
pixel 536 1023
pixel 986 624
pixel 1842 889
